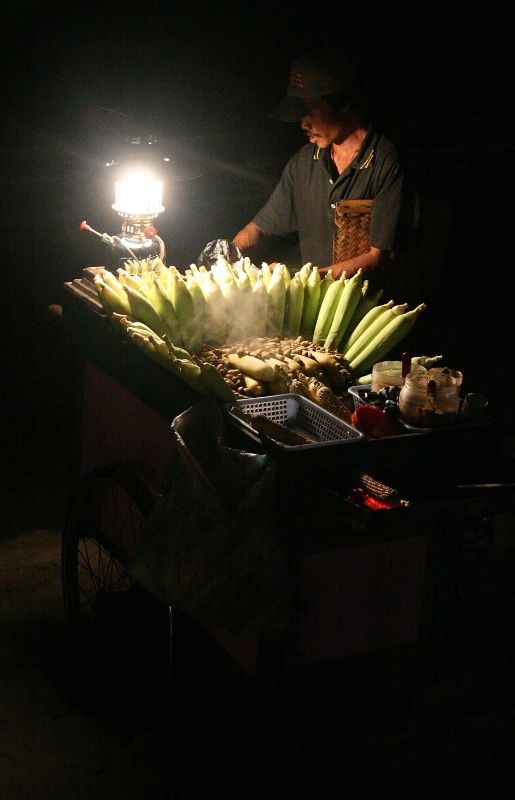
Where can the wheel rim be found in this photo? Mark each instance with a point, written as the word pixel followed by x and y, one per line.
pixel 106 523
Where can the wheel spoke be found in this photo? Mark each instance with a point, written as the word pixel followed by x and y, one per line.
pixel 108 524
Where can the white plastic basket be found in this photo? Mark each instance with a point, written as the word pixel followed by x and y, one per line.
pixel 299 414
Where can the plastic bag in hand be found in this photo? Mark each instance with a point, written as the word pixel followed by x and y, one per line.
pixel 216 248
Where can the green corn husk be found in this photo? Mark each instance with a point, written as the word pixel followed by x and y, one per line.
pixel 266 273
pixel 276 301
pixel 259 317
pixel 364 324
pixel 327 280
pixel 215 382
pixel 328 309
pixel 185 309
pixel 386 313
pixel 294 306
pixel 222 271
pixel 165 308
pixel 304 273
pixel 215 301
pixel 311 304
pixel 111 301
pixel 346 307
pixel 386 340
pixel 201 309
pixel 252 271
pixel 143 309
pixel 189 372
pixel 366 304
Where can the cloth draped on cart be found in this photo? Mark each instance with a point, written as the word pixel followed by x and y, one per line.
pixel 210 547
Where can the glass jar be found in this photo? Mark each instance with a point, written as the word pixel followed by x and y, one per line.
pixel 454 373
pixel 429 400
pixel 389 373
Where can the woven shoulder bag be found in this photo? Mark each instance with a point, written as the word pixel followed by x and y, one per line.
pixel 352 235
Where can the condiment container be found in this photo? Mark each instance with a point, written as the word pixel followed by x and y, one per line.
pixel 428 400
pixel 389 373
pixel 475 408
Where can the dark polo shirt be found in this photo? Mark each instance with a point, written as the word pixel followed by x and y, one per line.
pixel 304 200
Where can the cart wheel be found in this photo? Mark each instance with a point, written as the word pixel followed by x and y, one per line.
pixel 121 635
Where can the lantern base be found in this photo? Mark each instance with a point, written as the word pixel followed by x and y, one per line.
pixel 127 248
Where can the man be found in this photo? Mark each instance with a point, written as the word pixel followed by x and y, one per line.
pixel 345 159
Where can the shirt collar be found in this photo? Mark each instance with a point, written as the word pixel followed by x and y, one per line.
pixel 361 159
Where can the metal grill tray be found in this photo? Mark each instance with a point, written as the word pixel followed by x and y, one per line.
pixel 299 414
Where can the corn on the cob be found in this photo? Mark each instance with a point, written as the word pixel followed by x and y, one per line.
pixel 309 366
pixel 276 301
pixel 276 430
pixel 159 346
pixel 175 350
pixel 253 387
pixel 280 384
pixel 214 381
pixel 386 339
pixel 215 303
pixel 222 271
pixel 255 367
pixel 292 365
pixel 328 309
pixel 374 329
pixel 113 283
pixel 377 489
pixel 137 283
pixel 326 398
pixel 143 309
pixel 111 300
pixel 165 307
pixel 366 304
pixel 231 295
pixel 258 320
pixel 185 310
pixel 285 273
pixel 266 274
pixel 298 386
pixel 304 273
pixel 366 321
pixel 311 304
pixel 346 307
pixel 251 270
pixel 131 266
pixel 326 360
pixel 276 364
pixel 143 342
pixel 122 276
pixel 426 361
pixel 294 306
pixel 189 372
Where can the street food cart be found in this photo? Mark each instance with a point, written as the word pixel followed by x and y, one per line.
pixel 368 587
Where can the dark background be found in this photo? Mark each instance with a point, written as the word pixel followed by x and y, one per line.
pixel 202 77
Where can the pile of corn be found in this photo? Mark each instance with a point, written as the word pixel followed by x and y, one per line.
pixel 217 317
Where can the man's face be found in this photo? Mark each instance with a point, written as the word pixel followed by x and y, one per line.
pixel 321 125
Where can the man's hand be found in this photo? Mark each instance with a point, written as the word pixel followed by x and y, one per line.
pixel 367 262
pixel 248 236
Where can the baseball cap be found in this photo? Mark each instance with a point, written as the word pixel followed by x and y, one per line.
pixel 313 75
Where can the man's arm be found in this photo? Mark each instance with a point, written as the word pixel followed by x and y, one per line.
pixel 248 236
pixel 367 262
